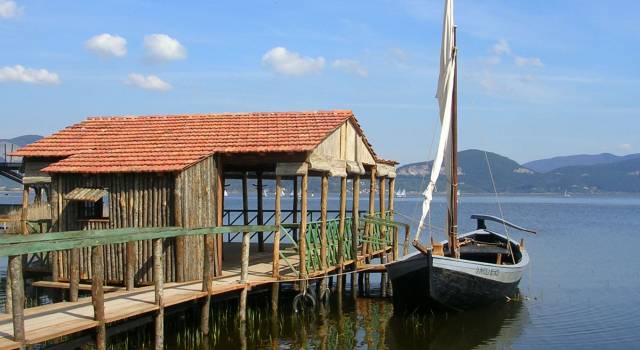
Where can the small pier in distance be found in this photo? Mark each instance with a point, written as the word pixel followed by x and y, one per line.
pixel 136 214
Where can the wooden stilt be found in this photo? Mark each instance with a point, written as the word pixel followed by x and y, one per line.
pixel 260 218
pixel 158 279
pixel 179 248
pixel 8 306
pixel 276 235
pixel 341 247
pixel 245 198
pixel 97 296
pixel 219 213
pixel 17 296
pixel 383 231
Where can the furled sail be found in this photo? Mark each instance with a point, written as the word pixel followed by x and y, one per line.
pixel 445 100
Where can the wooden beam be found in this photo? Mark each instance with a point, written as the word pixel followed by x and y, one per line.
pixel 207 282
pixel 97 296
pixel 276 235
pixel 220 181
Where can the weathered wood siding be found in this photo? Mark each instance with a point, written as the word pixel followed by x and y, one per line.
pixel 196 202
pixel 135 200
pixel 345 143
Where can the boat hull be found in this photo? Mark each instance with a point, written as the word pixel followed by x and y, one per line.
pixel 422 282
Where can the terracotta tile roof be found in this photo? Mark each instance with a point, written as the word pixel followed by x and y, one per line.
pixel 171 143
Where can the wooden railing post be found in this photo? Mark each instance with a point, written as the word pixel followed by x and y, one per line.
pixel 260 218
pixel 17 296
pixel 97 296
pixel 395 243
pixel 324 193
pixel 74 274
pixel 244 277
pixel 207 282
pixel 158 278
pixel 276 235
pixel 302 242
pixel 130 268
pixel 343 214
pixel 405 248
pixel 355 226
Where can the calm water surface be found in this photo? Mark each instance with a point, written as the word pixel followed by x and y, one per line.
pixel 582 290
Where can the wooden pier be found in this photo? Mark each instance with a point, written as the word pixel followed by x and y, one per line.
pixel 138 216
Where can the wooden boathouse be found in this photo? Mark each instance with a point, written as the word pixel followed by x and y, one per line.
pixel 138 208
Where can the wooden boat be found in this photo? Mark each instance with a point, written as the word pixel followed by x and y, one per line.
pixel 464 271
pixel 489 268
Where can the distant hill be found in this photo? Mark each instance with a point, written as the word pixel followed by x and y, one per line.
pixel 620 175
pixel 473 174
pixel 23 140
pixel 548 164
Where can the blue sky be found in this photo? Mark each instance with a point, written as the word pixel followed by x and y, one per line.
pixel 537 78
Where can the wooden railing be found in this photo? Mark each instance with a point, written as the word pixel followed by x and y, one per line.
pixel 15 246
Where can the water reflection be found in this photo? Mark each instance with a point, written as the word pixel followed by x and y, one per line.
pixel 344 323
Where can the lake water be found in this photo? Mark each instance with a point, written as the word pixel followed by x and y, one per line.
pixel 582 290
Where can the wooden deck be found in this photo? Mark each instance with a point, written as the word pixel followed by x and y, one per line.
pixel 52 321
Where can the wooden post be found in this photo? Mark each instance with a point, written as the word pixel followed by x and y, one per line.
pixel 25 210
pixel 245 198
pixel 302 243
pixel 74 274
pixel 179 222
pixel 97 296
pixel 372 204
pixel 343 213
pixel 324 193
pixel 244 277
pixel 132 262
pixel 17 296
pixel 260 218
pixel 405 248
pixel 219 213
pixel 158 279
pixel 355 222
pixel 295 207
pixel 207 280
pixel 276 235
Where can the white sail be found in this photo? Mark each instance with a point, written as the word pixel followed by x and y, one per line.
pixel 445 100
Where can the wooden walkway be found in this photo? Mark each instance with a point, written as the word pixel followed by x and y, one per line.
pixel 52 321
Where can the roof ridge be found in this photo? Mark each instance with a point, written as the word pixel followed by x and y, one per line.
pixel 226 114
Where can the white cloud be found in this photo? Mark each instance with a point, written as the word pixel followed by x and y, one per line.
pixel 161 47
pixel 107 45
pixel 150 82
pixel 21 74
pixel 531 61
pixel 350 66
pixel 286 62
pixel 501 47
pixel 9 9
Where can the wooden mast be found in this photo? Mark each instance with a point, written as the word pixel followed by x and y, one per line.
pixel 453 196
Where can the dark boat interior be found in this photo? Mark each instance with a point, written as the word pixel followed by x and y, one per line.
pixel 486 246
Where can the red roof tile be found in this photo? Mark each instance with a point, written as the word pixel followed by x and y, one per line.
pixel 171 143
